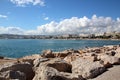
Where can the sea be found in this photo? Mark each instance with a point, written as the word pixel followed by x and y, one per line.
pixel 16 48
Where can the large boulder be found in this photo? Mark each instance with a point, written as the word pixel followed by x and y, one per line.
pixel 16 71
pixel 109 59
pixel 46 73
pixel 50 73
pixel 59 64
pixel 55 69
pixel 87 68
pixel 29 59
pixel 112 73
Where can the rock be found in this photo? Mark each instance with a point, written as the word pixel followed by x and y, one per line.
pixel 13 75
pixel 61 54
pixel 70 76
pixel 32 57
pixel 82 51
pixel 117 52
pixel 47 54
pixel 109 59
pixel 18 69
pixel 45 73
pixel 90 54
pixel 87 68
pixel 1 57
pixel 111 74
pixel 49 73
pixel 53 70
pixel 29 59
pixel 91 58
pixel 110 47
pixel 59 64
pixel 111 53
pixel 72 57
pixel 37 61
pixel 95 50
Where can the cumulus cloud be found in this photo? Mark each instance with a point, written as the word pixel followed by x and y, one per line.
pixel 72 25
pixel 3 16
pixel 26 2
pixel 11 30
pixel 82 25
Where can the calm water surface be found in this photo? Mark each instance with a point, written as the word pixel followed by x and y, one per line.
pixel 21 47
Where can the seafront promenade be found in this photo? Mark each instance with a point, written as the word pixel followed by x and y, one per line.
pixel 91 63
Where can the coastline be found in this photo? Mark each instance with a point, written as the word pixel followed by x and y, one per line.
pixel 97 59
pixel 62 39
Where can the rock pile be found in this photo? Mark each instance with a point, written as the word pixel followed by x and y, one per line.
pixel 66 65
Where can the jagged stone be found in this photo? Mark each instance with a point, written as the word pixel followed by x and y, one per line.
pixel 12 75
pixel 59 64
pixel 87 68
pixel 18 69
pixel 56 69
pixel 109 59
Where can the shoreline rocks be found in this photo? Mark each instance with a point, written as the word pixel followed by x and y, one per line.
pixel 70 64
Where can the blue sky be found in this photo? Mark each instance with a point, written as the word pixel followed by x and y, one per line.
pixel 51 16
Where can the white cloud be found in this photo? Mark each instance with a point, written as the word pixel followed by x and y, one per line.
pixel 73 25
pixel 46 18
pixel 80 25
pixel 11 30
pixel 3 16
pixel 26 2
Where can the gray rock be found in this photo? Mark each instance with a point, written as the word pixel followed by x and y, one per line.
pixel 111 74
pixel 13 75
pixel 17 70
pixel 109 59
pixel 87 68
pixel 58 64
pixel 55 69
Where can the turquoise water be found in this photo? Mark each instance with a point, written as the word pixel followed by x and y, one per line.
pixel 21 47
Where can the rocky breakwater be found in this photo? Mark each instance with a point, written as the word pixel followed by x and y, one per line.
pixel 70 64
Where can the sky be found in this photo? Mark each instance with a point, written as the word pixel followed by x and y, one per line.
pixel 49 17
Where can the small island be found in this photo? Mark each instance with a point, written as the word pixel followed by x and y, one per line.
pixel 95 63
